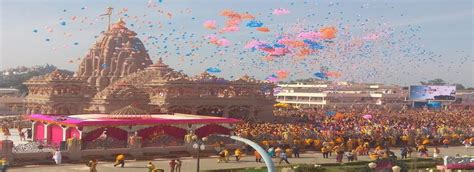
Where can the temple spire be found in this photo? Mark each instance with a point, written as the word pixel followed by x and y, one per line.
pixel 109 14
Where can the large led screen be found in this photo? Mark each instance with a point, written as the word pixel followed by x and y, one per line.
pixel 432 92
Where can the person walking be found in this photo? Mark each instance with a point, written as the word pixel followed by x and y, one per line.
pixel 57 157
pixel 227 154
pixel 423 151
pixel 350 156
pixel 120 159
pixel 404 152
pixel 172 165
pixel 151 167
pixel 22 136
pixel 222 157
pixel 436 152
pixel 92 164
pixel 3 164
pixel 258 157
pixel 178 165
pixel 271 152
pixel 238 154
pixel 29 133
pixel 325 152
pixel 296 151
pixel 446 142
pixel 339 153
pixel 283 157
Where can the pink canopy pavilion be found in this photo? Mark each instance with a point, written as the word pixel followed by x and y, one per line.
pixel 155 129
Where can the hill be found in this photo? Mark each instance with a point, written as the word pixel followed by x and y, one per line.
pixel 14 77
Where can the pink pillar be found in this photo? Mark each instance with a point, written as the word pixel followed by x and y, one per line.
pixel 39 131
pixel 55 134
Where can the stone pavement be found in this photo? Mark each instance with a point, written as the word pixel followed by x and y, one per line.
pixel 189 164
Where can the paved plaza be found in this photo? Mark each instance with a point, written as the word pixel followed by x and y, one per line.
pixel 189 164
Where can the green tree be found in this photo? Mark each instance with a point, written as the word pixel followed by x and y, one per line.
pixel 436 81
pixel 460 87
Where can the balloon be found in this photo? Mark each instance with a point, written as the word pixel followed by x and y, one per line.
pixel 230 29
pixel 304 52
pixel 282 74
pixel 254 23
pixel 333 74
pixel 213 70
pixel 313 45
pixel 279 45
pixel 310 35
pixel 263 29
pixel 280 11
pixel 328 32
pixel 209 24
pixel 291 43
pixel 321 75
pixel 272 79
pixel 247 16
pixel 35 31
pixel 219 42
pixel 223 42
pixel 233 20
pixel 367 116
pixel 63 23
pixel 279 51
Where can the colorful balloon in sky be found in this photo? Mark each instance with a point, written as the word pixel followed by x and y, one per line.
pixel 272 44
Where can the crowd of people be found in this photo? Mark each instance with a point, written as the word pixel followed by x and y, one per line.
pixel 361 132
pixel 343 133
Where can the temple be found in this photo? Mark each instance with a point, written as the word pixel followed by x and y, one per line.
pixel 118 95
pixel 117 72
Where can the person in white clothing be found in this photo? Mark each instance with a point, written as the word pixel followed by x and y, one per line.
pixel 57 157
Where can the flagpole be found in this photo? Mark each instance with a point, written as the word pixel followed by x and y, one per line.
pixel 109 13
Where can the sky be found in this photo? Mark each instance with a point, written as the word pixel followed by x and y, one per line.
pixel 392 42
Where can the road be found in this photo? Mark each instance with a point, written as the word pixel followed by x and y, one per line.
pixel 208 163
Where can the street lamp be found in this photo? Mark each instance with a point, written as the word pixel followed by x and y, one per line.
pixel 372 166
pixel 396 169
pixel 199 146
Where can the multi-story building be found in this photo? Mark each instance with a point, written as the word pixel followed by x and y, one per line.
pixel 11 103
pixel 342 94
pixel 12 92
pixel 464 100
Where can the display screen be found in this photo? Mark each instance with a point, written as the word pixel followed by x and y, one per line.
pixel 432 92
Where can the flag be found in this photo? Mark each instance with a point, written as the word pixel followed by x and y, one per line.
pixel 109 12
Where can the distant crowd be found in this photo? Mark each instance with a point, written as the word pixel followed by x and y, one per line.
pixel 361 132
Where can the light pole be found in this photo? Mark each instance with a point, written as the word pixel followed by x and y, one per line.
pixel 199 146
pixel 372 166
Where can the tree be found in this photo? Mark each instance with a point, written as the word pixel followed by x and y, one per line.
pixel 436 81
pixel 21 74
pixel 460 87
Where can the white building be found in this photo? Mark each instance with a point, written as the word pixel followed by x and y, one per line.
pixel 342 94
pixel 9 92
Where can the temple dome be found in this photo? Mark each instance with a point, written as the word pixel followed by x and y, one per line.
pixel 117 53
